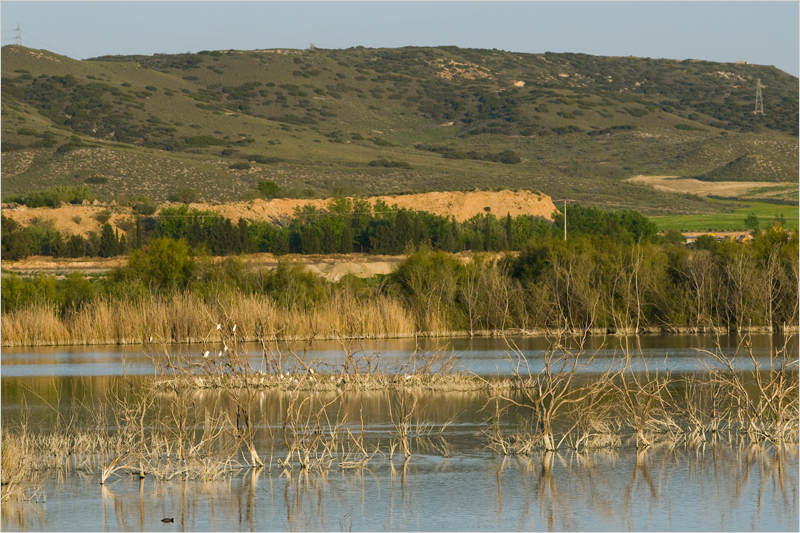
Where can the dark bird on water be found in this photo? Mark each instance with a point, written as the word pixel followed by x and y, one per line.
pixel 168 520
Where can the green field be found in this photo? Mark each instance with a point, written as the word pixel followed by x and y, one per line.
pixel 731 217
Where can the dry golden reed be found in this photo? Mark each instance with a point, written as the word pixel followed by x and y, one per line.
pixel 186 318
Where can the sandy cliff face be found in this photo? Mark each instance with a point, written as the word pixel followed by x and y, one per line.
pixel 461 205
pixel 80 219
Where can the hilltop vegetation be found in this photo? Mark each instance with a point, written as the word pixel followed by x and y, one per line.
pixel 380 121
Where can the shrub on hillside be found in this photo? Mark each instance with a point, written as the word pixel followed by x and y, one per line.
pixel 53 197
pixel 264 160
pixel 103 216
pixel 184 195
pixel 381 142
pixel 206 140
pixel 389 164
pixel 268 189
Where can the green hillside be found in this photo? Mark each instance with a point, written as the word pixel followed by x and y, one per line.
pixel 392 121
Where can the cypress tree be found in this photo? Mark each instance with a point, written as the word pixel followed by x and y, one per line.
pixel 346 246
pixel 109 244
pixel 280 246
pixel 76 246
pixel 329 244
pixel 246 242
pixel 137 244
pixel 487 234
pixel 402 232
pixel 309 240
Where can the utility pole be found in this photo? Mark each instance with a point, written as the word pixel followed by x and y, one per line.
pixel 759 99
pixel 19 35
pixel 565 200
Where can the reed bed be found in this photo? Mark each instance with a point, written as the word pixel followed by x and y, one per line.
pixel 184 318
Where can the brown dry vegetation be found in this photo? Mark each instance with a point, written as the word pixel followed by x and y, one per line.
pixel 187 318
pixel 743 189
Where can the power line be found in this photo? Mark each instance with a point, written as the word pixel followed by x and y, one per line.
pixel 18 33
pixel 53 48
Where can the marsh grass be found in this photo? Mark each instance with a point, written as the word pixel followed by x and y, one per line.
pixel 20 481
pixel 184 318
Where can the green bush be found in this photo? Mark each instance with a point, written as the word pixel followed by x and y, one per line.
pixel 268 189
pixel 184 195
pixel 381 142
pixel 53 197
pixel 144 208
pixel 15 241
pixel 206 140
pixel 389 164
pixel 240 166
pixel 165 264
pixel 264 160
pixel 637 111
pixel 687 127
pixel 103 216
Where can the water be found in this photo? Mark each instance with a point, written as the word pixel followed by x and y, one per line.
pixel 663 490
pixel 451 482
pixel 486 356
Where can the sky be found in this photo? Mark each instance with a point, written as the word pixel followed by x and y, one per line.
pixel 759 32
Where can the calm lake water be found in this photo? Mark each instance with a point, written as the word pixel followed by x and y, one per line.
pixel 451 482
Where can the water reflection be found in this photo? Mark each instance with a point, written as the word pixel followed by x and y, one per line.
pixel 450 480
pixel 724 488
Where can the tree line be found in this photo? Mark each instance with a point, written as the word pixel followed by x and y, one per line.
pixel 346 225
pixel 588 282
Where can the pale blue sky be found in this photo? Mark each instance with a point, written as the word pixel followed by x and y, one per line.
pixel 759 32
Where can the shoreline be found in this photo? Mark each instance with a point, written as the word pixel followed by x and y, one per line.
pixel 593 332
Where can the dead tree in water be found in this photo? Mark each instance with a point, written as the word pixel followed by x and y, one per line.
pixel 763 396
pixel 556 386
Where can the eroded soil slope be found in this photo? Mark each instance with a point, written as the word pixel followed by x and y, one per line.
pixel 82 219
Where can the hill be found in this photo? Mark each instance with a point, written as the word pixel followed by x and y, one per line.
pixel 392 121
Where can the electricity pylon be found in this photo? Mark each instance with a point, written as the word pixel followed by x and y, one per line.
pixel 759 99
